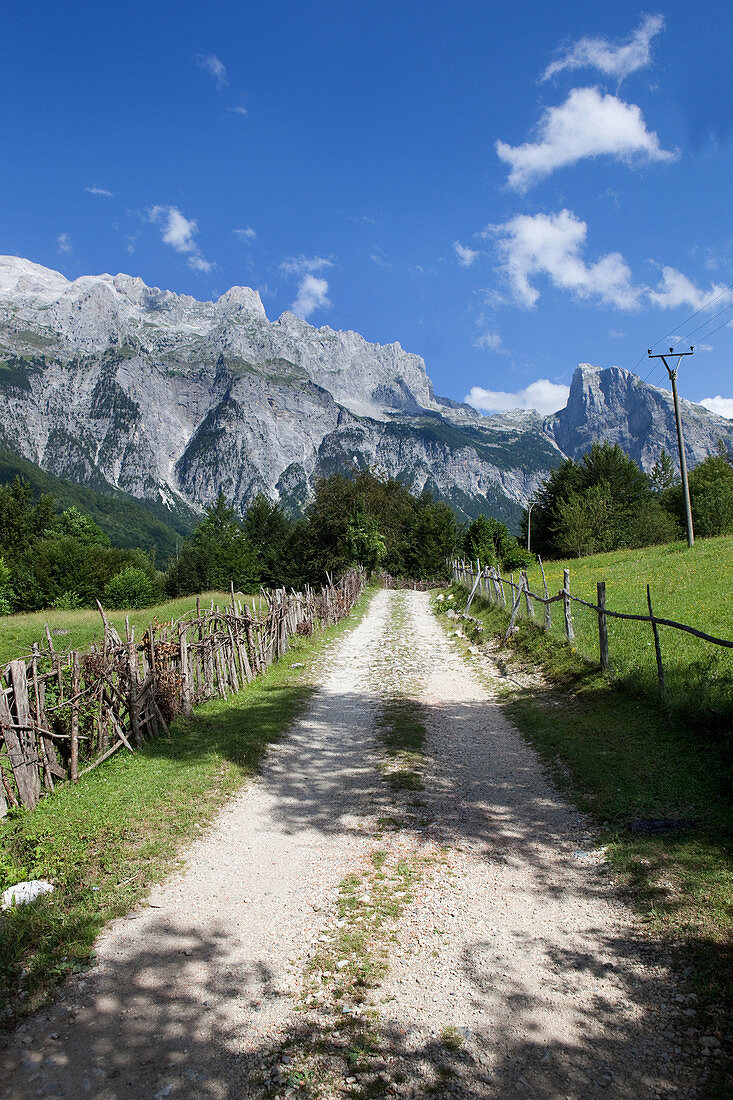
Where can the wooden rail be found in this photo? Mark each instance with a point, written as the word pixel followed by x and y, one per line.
pixel 62 714
pixel 490 583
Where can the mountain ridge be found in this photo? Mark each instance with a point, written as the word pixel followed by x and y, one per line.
pixel 104 380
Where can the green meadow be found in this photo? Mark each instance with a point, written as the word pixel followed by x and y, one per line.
pixel 691 586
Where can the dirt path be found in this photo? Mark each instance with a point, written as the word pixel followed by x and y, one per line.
pixel 514 970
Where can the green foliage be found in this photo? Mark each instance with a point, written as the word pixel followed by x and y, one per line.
pixel 603 503
pixel 270 533
pixel 711 497
pixel 67 601
pixel 6 591
pixel 53 567
pixel 216 555
pixel 130 587
pixel 23 519
pixel 127 522
pixel 663 475
pixel 75 524
pixel 489 540
pixel 370 520
pixel 366 546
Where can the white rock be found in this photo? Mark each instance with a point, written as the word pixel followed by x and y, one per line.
pixel 24 892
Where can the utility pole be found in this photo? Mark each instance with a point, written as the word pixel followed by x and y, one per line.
pixel 680 442
pixel 530 506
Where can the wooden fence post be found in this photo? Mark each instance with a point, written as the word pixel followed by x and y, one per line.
pixel 548 611
pixel 657 647
pixel 603 626
pixel 500 582
pixel 515 612
pixel 527 596
pixel 74 763
pixel 569 633
pixel 26 774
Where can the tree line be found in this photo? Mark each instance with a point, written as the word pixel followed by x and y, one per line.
pixel 62 559
pixel 57 558
pixel 607 502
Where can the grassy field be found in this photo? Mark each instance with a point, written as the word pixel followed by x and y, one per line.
pixel 691 586
pixel 657 786
pixel 84 626
pixel 103 840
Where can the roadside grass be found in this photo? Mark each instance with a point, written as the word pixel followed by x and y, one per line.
pixel 691 586
pixel 105 839
pixel 84 625
pixel 658 789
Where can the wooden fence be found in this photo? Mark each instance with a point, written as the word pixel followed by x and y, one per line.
pixel 490 584
pixel 62 714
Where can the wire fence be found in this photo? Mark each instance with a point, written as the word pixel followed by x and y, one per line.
pixel 517 599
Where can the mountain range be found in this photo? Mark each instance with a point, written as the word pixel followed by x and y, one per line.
pixel 125 388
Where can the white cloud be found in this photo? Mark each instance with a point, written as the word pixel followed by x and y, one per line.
pixel 64 242
pixel 466 256
pixel 379 257
pixel 247 234
pixel 490 340
pixel 99 191
pixel 216 68
pixel 239 110
pixel 179 232
pixel 676 289
pixel 611 59
pixel 312 295
pixel 723 406
pixel 551 245
pixel 615 335
pixel 544 396
pixel 587 124
pixel 301 265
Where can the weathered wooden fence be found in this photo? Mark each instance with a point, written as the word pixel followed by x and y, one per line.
pixel 62 714
pixel 509 594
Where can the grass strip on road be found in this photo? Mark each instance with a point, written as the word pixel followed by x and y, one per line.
pixel 657 789
pixel 105 839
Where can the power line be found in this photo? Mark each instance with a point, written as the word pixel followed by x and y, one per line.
pixel 692 316
pixel 686 322
pixel 707 335
pixel 707 321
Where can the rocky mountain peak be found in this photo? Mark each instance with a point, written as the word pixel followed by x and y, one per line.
pixel 612 404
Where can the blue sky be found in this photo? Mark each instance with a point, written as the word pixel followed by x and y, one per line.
pixel 506 190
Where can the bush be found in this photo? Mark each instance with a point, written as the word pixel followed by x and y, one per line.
pixel 67 601
pixel 130 588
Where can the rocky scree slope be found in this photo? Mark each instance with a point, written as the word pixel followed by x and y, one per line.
pixel 106 381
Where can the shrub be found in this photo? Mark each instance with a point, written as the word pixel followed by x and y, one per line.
pixel 67 601
pixel 130 588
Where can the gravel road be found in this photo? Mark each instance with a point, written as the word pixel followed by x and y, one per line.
pixel 515 970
